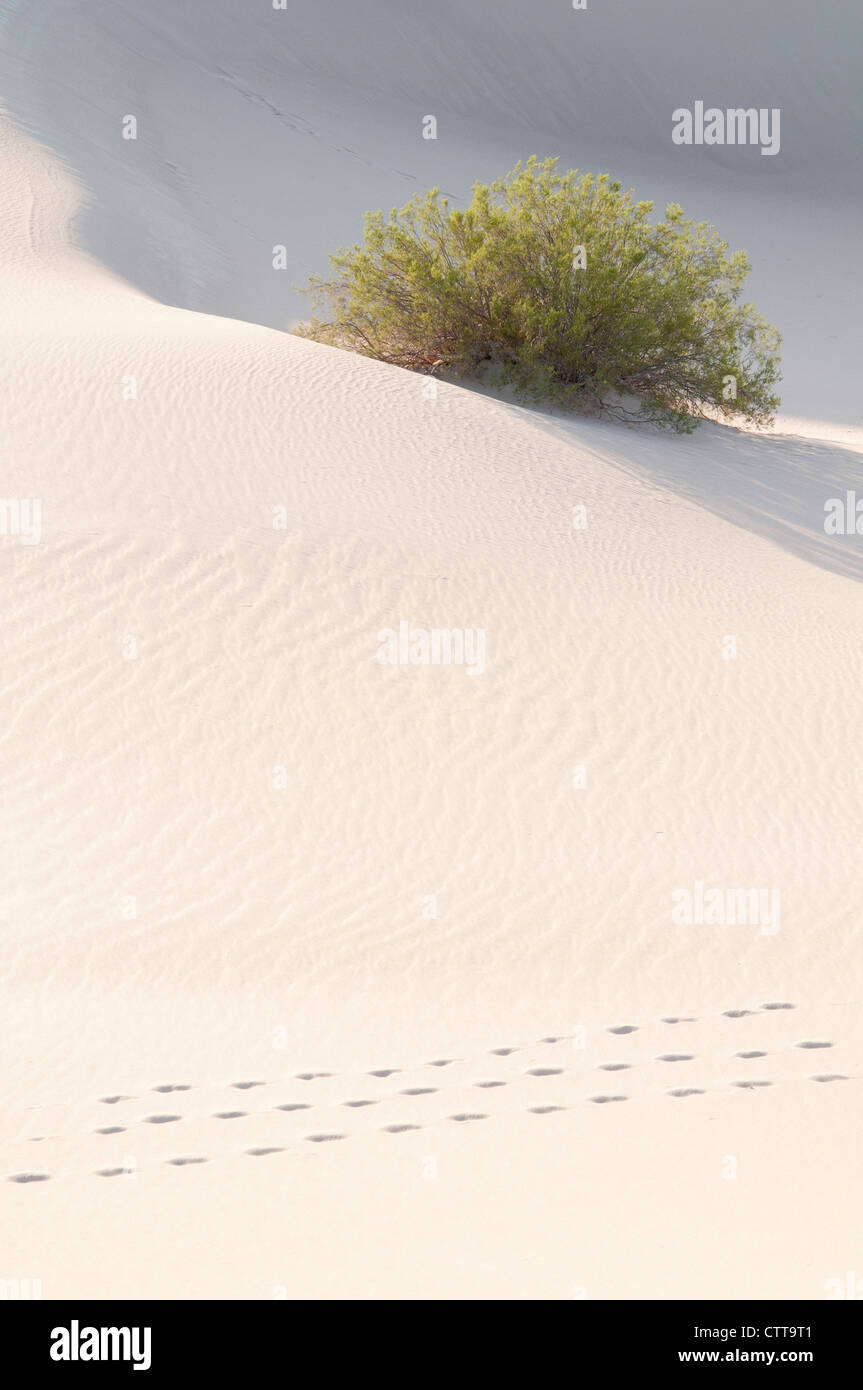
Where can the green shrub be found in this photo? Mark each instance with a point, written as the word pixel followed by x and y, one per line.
pixel 654 313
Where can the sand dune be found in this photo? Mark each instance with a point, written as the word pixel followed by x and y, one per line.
pixel 262 891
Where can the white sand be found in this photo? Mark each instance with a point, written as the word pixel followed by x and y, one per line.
pixel 172 918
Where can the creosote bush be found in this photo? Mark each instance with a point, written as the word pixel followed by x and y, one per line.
pixel 563 286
